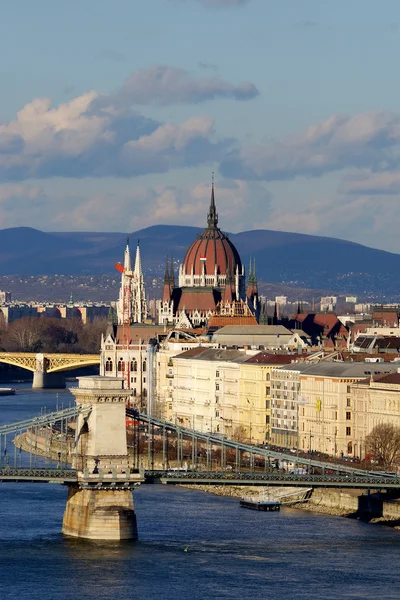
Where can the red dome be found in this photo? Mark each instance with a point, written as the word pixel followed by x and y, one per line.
pixel 212 248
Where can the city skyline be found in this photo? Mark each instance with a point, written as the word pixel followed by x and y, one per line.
pixel 116 116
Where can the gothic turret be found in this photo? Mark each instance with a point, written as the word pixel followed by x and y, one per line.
pixel 131 305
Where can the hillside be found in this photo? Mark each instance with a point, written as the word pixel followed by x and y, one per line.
pixel 286 258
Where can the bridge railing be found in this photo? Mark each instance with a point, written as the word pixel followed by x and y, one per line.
pixel 211 440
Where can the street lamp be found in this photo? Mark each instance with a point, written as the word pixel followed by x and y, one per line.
pixel 309 447
pixel 251 407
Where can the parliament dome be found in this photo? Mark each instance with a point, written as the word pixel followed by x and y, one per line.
pixel 211 260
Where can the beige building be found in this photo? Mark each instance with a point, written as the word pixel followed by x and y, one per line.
pixel 256 393
pixel 206 389
pixel 175 343
pixel 324 408
pixel 225 391
pixel 376 400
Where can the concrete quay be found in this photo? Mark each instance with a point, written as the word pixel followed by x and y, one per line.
pixel 374 507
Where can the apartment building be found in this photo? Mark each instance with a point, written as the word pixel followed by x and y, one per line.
pixel 313 408
pixel 376 400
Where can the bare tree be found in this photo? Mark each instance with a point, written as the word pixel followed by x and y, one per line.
pixel 383 445
pixel 23 335
pixel 240 434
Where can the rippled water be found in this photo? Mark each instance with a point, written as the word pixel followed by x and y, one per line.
pixel 232 552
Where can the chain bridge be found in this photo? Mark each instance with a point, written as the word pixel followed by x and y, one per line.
pixel 47 368
pixel 102 450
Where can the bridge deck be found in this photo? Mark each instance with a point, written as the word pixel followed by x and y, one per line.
pixel 278 479
pixel 68 476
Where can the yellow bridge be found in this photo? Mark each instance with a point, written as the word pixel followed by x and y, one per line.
pixel 46 366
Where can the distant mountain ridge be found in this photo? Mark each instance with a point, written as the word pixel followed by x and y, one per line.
pixel 290 258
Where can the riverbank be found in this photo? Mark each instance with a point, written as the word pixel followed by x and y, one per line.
pixel 375 508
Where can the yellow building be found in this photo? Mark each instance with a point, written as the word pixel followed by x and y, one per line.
pixel 325 405
pixel 255 394
pixel 375 400
pixel 225 391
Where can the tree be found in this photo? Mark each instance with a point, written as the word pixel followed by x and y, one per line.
pixel 383 445
pixel 240 434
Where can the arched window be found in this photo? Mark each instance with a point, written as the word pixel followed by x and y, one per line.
pixel 134 367
pixel 144 366
pixel 144 393
pixel 349 448
pixel 134 391
pixel 109 365
pixel 121 365
pixel 268 376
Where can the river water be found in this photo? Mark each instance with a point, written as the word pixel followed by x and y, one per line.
pixel 192 546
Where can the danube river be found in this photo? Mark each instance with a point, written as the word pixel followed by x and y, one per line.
pixel 192 546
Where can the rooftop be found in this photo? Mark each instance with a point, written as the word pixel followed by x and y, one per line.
pixel 343 369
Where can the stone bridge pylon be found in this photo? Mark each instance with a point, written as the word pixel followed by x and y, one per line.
pixel 100 505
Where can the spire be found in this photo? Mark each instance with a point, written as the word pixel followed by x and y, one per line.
pixel 138 261
pixel 212 217
pixel 166 274
pixel 171 272
pixel 254 272
pixel 250 277
pixel 127 257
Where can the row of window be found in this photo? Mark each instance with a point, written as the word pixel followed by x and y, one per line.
pixel 122 365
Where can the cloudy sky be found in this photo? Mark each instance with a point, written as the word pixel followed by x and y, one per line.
pixel 114 114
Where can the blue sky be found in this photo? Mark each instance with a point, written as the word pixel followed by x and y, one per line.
pixel 114 114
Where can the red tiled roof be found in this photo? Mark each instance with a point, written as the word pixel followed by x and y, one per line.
pixel 391 378
pixel 222 320
pixel 361 356
pixel 266 358
pixel 193 299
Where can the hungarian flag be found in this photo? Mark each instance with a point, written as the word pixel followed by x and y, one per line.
pixel 203 259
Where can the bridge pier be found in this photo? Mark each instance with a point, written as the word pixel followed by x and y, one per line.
pixel 43 380
pixel 100 514
pixel 100 505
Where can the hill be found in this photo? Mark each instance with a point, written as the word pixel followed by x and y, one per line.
pixel 286 258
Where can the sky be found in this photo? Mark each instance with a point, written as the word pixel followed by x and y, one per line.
pixel 114 114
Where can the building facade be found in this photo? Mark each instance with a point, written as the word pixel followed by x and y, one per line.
pixel 313 406
pixel 210 277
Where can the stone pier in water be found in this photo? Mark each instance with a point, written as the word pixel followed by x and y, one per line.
pixel 100 506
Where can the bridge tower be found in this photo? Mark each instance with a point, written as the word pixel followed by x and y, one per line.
pixel 100 505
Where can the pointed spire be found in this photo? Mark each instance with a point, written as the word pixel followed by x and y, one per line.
pixel 166 274
pixel 254 271
pixel 250 277
pixel 138 261
pixel 212 217
pixel 127 257
pixel 172 272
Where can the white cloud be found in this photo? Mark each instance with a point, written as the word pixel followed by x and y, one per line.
pixel 134 207
pixel 101 135
pixel 369 183
pixel 18 199
pixel 368 140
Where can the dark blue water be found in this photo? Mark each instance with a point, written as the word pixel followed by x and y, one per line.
pixel 232 553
